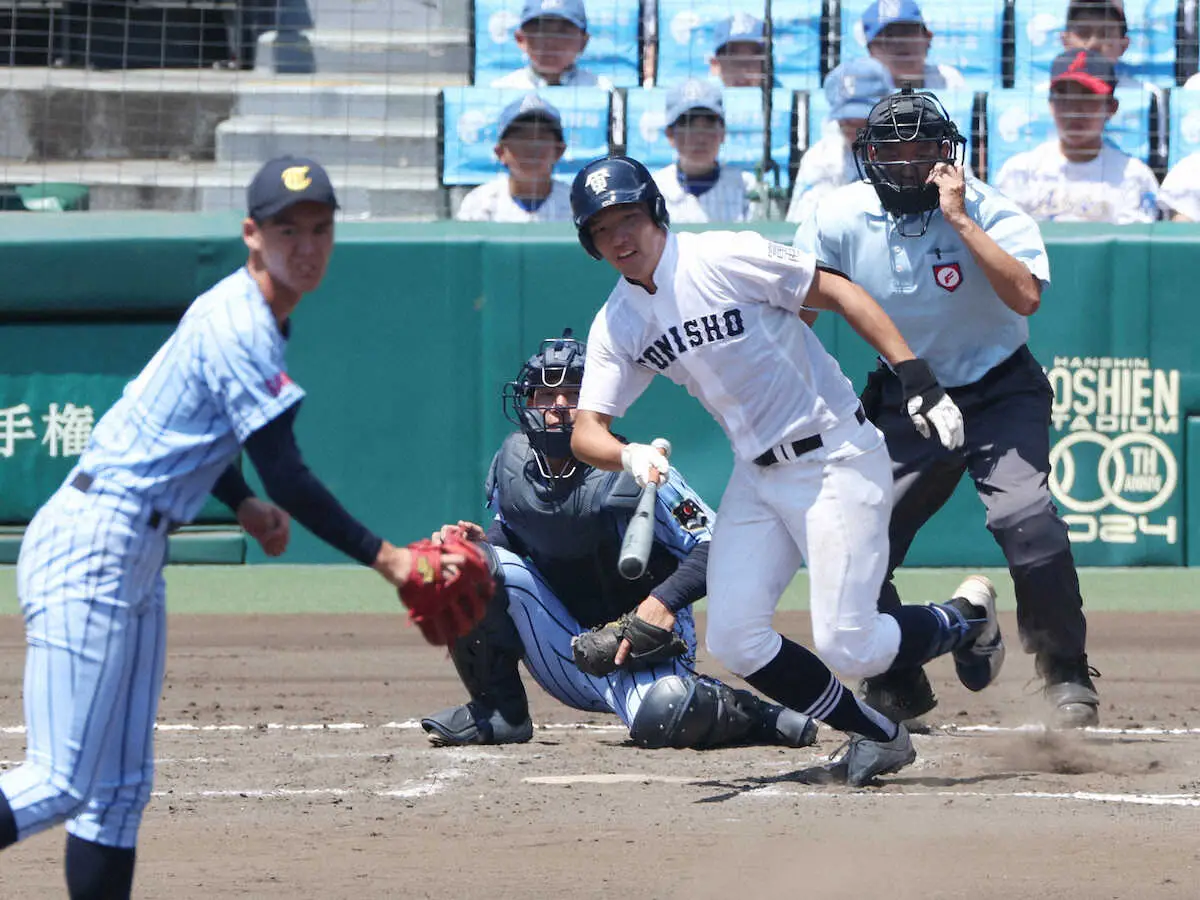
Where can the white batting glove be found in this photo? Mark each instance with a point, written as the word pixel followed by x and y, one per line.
pixel 944 417
pixel 640 460
pixel 928 404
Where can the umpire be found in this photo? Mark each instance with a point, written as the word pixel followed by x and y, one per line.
pixel 964 270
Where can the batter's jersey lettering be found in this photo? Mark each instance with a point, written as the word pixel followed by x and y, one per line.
pixel 723 323
pixel 931 286
pixel 220 377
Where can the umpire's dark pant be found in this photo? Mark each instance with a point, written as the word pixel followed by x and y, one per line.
pixel 1007 449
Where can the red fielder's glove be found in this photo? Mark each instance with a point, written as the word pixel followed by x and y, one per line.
pixel 445 608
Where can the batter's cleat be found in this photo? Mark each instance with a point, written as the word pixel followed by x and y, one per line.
pixel 474 724
pixel 1070 691
pixel 794 729
pixel 979 662
pixel 865 759
pixel 902 694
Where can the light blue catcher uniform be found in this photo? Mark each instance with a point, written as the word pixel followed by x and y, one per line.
pixel 546 625
pixel 90 570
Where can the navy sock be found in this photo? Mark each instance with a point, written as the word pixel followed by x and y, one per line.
pixel 798 679
pixel 97 872
pixel 927 632
pixel 8 824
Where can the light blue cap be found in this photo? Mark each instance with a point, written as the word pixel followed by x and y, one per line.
pixel 571 10
pixel 855 86
pixel 882 13
pixel 694 93
pixel 738 27
pixel 531 106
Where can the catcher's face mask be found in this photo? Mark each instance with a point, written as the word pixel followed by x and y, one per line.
pixel 905 136
pixel 543 398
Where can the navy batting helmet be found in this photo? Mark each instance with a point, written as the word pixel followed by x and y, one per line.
pixel 557 364
pixel 611 181
pixel 908 117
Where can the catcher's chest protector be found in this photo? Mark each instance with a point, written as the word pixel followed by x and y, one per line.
pixel 564 519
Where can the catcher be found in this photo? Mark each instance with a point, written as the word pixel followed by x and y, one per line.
pixel 554 543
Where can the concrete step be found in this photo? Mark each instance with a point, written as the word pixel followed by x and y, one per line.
pixel 327 98
pixel 333 142
pixel 432 52
pixel 363 191
pixel 387 14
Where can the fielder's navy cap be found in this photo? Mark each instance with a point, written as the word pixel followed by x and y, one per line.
pixel 738 27
pixel 882 13
pixel 531 106
pixel 854 87
pixel 285 181
pixel 571 10
pixel 693 94
pixel 1085 67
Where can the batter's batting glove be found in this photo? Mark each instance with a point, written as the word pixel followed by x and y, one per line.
pixel 639 459
pixel 928 404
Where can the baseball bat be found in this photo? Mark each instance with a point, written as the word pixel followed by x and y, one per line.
pixel 639 535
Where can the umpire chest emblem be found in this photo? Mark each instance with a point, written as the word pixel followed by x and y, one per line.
pixel 948 276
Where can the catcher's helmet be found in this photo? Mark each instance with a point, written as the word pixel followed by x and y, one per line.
pixel 558 363
pixel 611 181
pixel 907 117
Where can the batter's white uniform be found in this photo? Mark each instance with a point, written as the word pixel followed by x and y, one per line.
pixel 492 202
pixel 724 324
pixel 1180 190
pixel 1114 187
pixel 726 201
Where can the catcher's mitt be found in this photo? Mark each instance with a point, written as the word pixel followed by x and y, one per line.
pixel 445 608
pixel 595 651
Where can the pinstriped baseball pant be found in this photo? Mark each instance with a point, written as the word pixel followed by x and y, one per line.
pixel 546 629
pixel 92 593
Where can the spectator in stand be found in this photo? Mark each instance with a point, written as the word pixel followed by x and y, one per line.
pixel 740 51
pixel 896 35
pixel 1078 176
pixel 530 145
pixel 1179 195
pixel 552 35
pixel 852 89
pixel 696 187
pixel 1100 25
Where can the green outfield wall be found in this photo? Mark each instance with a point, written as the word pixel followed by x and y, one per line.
pixel 404 350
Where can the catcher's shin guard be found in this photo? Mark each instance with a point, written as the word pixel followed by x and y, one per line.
pixel 698 713
pixel 486 660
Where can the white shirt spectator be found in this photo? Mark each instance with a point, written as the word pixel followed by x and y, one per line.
pixel 726 201
pixel 529 80
pixel 940 77
pixel 1114 187
pixel 1180 191
pixel 491 202
pixel 826 165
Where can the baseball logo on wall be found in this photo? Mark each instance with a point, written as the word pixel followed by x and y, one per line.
pixel 1114 466
pixel 948 276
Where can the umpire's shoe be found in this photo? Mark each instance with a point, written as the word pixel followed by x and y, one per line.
pixel 979 662
pixel 902 695
pixel 473 723
pixel 865 759
pixel 1072 695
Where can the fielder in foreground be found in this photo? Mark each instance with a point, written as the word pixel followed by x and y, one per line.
pixel 90 575
pixel 968 269
pixel 556 535
pixel 720 313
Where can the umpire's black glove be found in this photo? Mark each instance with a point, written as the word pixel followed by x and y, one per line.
pixel 928 405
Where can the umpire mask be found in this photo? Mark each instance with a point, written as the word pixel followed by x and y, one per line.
pixel 556 368
pixel 906 134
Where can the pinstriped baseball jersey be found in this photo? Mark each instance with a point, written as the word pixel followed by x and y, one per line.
pixel 725 201
pixel 179 424
pixel 492 202
pixel 723 323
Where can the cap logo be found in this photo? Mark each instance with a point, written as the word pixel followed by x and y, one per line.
pixel 889 9
pixel 693 90
pixel 597 182
pixel 1079 64
pixel 296 178
pixel 742 23
pixel 848 86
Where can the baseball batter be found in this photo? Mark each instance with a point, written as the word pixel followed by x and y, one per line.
pixel 967 269
pixel 89 574
pixel 557 531
pixel 720 313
